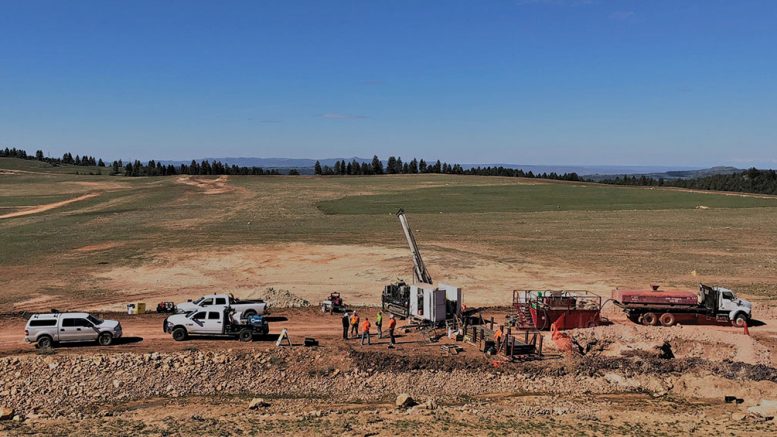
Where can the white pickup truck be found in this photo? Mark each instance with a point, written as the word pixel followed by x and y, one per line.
pixel 242 308
pixel 215 321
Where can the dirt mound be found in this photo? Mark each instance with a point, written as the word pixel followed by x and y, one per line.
pixel 281 298
pixel 701 341
pixel 209 186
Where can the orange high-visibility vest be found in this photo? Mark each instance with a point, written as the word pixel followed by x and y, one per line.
pixel 392 323
pixel 498 335
pixel 354 320
pixel 365 326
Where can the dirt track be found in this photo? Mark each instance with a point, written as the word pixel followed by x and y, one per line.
pixel 48 206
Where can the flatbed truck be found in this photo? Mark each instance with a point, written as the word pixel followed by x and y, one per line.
pixel 215 321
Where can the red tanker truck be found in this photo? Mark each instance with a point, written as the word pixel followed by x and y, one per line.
pixel 667 307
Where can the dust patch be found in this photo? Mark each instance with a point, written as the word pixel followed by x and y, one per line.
pixel 209 186
pixel 48 206
pixel 99 246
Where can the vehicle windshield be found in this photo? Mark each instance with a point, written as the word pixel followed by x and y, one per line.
pixel 95 321
pixel 197 302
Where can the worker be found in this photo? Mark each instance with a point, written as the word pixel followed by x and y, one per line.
pixel 346 324
pixel 366 331
pixel 379 324
pixel 392 324
pixel 498 336
pixel 355 325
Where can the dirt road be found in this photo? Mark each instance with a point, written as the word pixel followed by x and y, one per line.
pixel 143 333
pixel 48 206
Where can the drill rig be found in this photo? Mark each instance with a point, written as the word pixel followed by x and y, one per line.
pixel 421 300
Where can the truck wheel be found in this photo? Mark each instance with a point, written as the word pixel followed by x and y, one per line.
pixel 179 334
pixel 45 342
pixel 649 319
pixel 246 335
pixel 739 320
pixel 248 314
pixel 105 339
pixel 667 319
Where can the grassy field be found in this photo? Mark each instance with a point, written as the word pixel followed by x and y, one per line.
pixel 535 198
pixel 617 235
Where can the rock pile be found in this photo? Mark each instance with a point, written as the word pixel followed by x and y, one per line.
pixel 282 299
pixel 95 384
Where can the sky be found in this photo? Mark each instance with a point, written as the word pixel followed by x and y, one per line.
pixel 575 82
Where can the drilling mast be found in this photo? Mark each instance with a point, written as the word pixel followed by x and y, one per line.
pixel 419 271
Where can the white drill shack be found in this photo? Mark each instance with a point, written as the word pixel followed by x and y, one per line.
pixel 422 300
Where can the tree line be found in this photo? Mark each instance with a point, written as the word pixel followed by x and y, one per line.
pixel 67 158
pixel 202 168
pixel 137 168
pixel 748 181
pixel 395 165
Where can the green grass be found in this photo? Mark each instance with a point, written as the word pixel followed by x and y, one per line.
pixel 533 198
pixel 613 232
pixel 42 166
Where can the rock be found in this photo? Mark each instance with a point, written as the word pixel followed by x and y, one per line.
pixel 766 408
pixel 6 413
pixel 405 401
pixel 257 403
pixel 116 383
pixel 737 416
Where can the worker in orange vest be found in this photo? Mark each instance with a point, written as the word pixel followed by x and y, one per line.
pixel 355 325
pixel 498 336
pixel 392 324
pixel 366 331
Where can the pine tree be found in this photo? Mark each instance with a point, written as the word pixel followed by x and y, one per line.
pixel 317 168
pixel 391 165
pixel 413 167
pixel 377 166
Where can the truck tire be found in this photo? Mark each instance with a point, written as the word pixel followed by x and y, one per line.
pixel 105 339
pixel 649 319
pixel 667 319
pixel 739 320
pixel 45 342
pixel 179 334
pixel 248 314
pixel 246 335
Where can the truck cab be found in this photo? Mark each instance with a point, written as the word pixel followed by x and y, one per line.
pixel 206 322
pixel 724 302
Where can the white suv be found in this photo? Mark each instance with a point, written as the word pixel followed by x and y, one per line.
pixel 47 329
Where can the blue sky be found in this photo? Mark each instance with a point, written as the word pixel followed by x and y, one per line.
pixel 676 82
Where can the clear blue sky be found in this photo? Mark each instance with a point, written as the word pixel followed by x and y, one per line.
pixel 675 82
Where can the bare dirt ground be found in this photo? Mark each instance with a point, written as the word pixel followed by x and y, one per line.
pixel 149 384
pixel 218 185
pixel 178 275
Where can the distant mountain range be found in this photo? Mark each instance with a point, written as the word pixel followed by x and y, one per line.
pixel 590 171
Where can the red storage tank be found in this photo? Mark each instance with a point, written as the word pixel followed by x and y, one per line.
pixel 656 296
